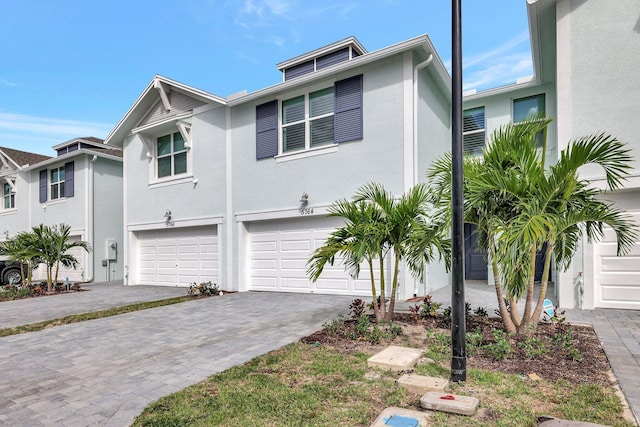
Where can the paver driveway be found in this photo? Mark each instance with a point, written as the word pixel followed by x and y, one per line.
pixel 105 371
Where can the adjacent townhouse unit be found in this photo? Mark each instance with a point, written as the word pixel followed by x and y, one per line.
pixel 236 190
pixel 585 60
pixel 82 187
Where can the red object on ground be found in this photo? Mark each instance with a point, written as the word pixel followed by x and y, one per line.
pixel 448 397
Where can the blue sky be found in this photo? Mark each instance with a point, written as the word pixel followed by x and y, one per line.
pixel 72 68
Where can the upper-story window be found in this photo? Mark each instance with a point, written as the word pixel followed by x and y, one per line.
pixel 57 182
pixel 473 130
pixel 8 197
pixel 171 155
pixel 530 107
pixel 307 120
pixel 322 118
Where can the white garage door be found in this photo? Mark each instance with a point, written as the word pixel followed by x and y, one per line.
pixel 74 275
pixel 177 257
pixel 278 255
pixel 617 279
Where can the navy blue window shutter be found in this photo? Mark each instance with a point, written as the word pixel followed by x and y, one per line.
pixel 348 109
pixel 68 179
pixel 43 186
pixel 267 130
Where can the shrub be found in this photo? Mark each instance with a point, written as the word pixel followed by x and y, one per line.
pixel 501 348
pixel 474 341
pixel 533 347
pixel 356 309
pixel 204 289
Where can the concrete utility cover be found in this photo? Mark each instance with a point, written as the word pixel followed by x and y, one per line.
pixel 400 417
pixel 395 358
pixel 420 384
pixel 453 403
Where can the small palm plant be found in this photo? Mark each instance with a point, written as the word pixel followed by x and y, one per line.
pixel 378 226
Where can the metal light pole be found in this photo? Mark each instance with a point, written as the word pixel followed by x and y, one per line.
pixel 458 328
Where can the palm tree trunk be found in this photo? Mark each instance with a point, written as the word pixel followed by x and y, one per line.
pixel 394 286
pixel 504 313
pixel 383 305
pixel 49 278
pixel 376 309
pixel 515 311
pixel 524 327
pixel 57 270
pixel 544 282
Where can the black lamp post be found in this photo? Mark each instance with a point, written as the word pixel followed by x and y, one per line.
pixel 458 329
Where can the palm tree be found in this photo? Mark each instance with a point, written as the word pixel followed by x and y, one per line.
pixel 21 249
pixel 360 240
pixel 378 225
pixel 52 245
pixel 520 207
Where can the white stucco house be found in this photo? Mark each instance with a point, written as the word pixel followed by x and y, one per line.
pixel 585 61
pixel 235 190
pixel 82 187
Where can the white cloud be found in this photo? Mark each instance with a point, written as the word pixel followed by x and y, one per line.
pixel 39 134
pixel 499 66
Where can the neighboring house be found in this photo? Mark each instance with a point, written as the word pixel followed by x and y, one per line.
pixel 81 187
pixel 236 190
pixel 586 62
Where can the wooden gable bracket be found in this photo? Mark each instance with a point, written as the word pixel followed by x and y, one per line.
pixel 148 144
pixel 4 161
pixel 11 183
pixel 164 94
pixel 185 131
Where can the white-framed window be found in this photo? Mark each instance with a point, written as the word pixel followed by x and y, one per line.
pixel 473 130
pixel 307 121
pixel 8 196
pixel 56 183
pixel 171 155
pixel 529 107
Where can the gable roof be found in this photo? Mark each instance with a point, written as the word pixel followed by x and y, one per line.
pixel 155 93
pixel 21 158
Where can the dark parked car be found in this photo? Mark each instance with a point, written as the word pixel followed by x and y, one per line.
pixel 9 270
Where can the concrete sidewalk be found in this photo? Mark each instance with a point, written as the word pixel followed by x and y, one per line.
pixel 98 296
pixel 105 371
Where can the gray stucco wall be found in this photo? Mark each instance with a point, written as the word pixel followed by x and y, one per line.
pixel 107 213
pixel 605 82
pixel 266 184
pixel 186 200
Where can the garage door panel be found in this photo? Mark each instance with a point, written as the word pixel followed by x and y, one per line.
pixel 280 249
pixel 616 279
pixel 177 257
pixel 332 285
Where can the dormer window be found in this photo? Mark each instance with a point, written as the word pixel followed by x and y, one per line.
pixel 319 59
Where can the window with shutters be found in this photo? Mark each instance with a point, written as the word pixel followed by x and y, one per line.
pixel 8 196
pixel 56 183
pixel 307 120
pixel 311 123
pixel 473 130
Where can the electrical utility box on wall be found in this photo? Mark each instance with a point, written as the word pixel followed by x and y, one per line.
pixel 112 249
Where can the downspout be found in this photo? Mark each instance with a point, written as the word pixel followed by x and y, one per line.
pixel 416 70
pixel 89 220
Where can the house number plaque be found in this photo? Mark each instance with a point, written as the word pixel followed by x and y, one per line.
pixel 306 211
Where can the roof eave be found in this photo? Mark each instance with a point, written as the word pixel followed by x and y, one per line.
pixel 70 155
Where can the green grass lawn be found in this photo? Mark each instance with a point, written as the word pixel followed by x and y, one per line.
pixel 307 385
